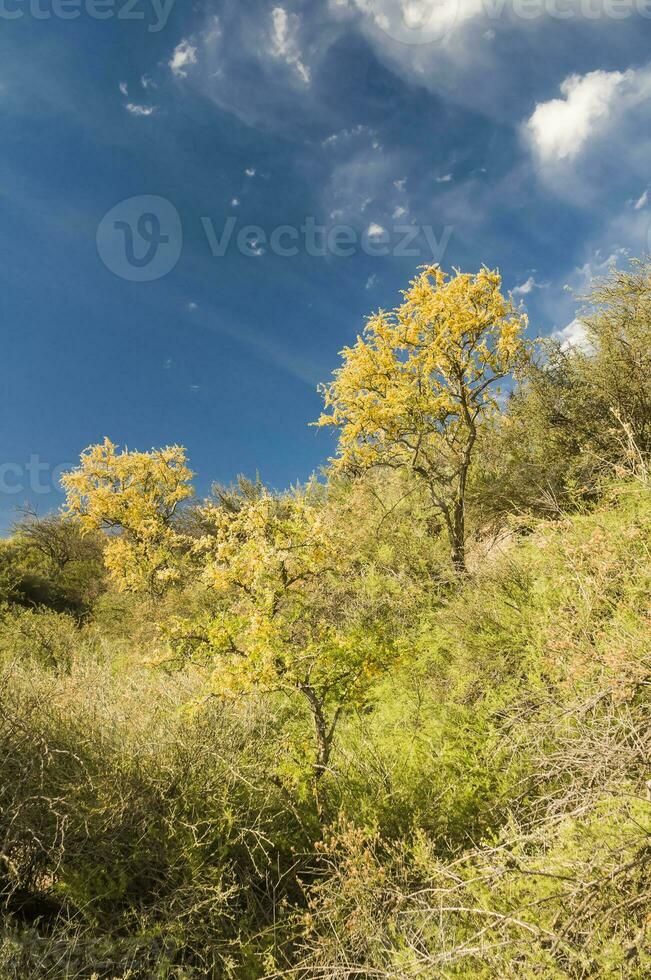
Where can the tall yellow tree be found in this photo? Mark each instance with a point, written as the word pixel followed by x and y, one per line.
pixel 133 496
pixel 414 389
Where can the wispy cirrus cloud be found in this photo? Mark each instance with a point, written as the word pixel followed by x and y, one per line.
pixel 255 62
pixel 642 201
pixel 284 45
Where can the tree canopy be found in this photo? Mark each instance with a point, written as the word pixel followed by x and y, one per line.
pixel 414 388
pixel 134 496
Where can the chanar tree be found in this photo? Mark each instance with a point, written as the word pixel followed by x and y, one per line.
pixel 416 386
pixel 133 497
pixel 299 614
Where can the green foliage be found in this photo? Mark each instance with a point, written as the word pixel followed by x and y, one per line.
pixel 566 899
pixel 145 833
pixel 581 415
pixel 299 612
pixel 50 638
pixel 521 753
pixel 491 793
pixel 49 562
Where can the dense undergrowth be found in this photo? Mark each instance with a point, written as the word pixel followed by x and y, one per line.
pixel 482 807
pixel 491 811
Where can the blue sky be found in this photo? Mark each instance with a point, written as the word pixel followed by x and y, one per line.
pixel 380 134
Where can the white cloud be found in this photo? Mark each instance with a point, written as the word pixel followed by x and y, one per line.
pixel 192 306
pixel 140 110
pixel 147 82
pixel 371 281
pixel 260 63
pixel 592 108
pixel 250 172
pixel 525 288
pixel 374 230
pixel 124 88
pixel 573 335
pixel 284 46
pixel 428 43
pixel 641 201
pixel 184 55
pixel 235 203
pixel 400 212
pixel 559 129
pixel 445 179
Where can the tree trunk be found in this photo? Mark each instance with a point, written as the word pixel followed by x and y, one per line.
pixel 454 514
pixel 323 741
pixel 323 738
pixel 457 535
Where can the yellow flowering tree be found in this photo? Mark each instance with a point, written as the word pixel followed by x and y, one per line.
pixel 414 389
pixel 299 614
pixel 133 497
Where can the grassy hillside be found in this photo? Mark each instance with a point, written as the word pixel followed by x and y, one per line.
pixel 522 749
pixel 490 811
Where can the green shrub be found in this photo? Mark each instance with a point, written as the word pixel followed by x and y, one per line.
pixel 142 832
pixel 50 638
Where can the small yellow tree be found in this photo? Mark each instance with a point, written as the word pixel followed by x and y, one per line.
pixel 415 387
pixel 132 496
pixel 299 615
